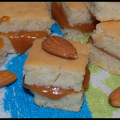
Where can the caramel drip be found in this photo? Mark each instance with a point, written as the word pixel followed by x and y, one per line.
pixel 56 92
pixel 4 19
pixel 59 15
pixel 86 78
pixel 23 40
pixel 1 43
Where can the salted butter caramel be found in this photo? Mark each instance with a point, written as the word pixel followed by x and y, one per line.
pixel 1 43
pixel 4 19
pixel 59 15
pixel 86 78
pixel 56 92
pixel 49 91
pixel 23 40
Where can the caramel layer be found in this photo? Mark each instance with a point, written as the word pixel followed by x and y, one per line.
pixel 56 92
pixel 59 15
pixel 23 40
pixel 4 19
pixel 1 43
pixel 86 78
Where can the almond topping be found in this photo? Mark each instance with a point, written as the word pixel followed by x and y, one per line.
pixel 6 77
pixel 114 97
pixel 59 47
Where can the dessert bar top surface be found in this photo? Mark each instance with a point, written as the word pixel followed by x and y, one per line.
pixel 110 28
pixel 76 6
pixel 24 10
pixel 39 58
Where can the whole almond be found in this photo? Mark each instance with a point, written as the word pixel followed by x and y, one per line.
pixel 114 97
pixel 59 47
pixel 6 77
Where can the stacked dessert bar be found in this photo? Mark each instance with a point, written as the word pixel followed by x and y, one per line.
pixel 105 40
pixel 20 24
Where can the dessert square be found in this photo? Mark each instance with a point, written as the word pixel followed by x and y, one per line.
pixel 106 46
pixel 73 18
pixel 45 70
pixel 20 24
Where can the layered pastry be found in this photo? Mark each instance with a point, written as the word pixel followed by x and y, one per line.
pixel 105 43
pixel 104 11
pixel 73 18
pixel 20 24
pixel 57 82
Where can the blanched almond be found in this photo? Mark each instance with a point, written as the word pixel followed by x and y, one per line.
pixel 59 47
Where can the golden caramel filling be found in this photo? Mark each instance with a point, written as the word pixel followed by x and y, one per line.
pixel 23 40
pixel 56 92
pixel 86 78
pixel 1 43
pixel 4 19
pixel 50 91
pixel 59 15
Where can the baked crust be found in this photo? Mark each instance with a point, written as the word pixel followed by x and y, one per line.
pixel 25 16
pixel 40 58
pixel 24 10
